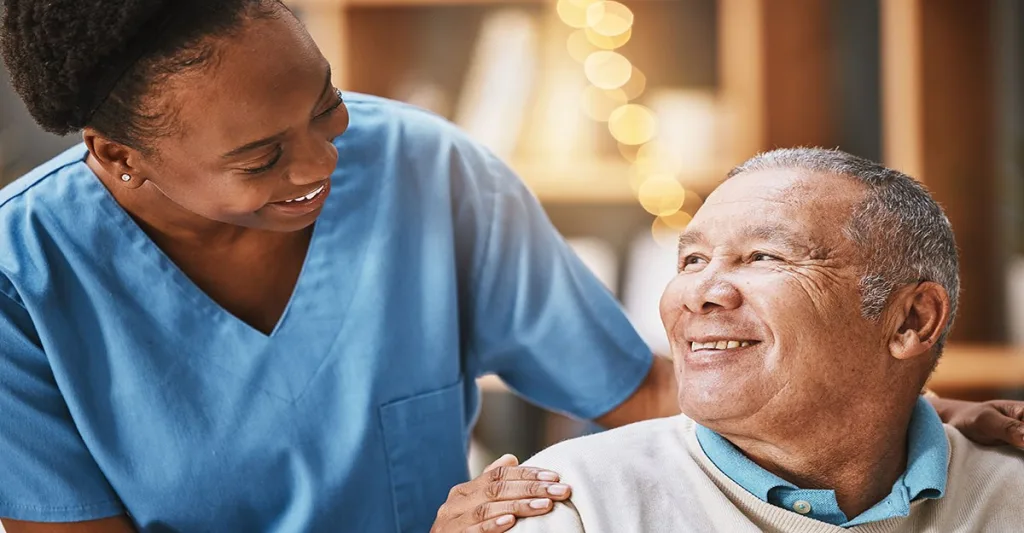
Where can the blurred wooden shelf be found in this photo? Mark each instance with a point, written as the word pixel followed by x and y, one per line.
pixel 398 3
pixel 968 368
pixel 598 182
pixel 592 182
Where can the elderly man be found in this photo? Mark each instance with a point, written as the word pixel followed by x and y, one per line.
pixel 815 292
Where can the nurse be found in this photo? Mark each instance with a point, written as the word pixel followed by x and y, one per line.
pixel 220 313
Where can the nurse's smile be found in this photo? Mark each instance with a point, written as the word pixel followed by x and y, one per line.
pixel 306 204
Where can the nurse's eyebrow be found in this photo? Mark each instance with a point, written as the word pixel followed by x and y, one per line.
pixel 278 136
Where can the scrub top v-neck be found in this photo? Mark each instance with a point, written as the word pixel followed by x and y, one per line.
pixel 125 389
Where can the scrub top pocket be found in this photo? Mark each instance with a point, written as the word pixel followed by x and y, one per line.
pixel 426 442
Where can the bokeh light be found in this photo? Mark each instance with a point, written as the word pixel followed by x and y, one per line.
pixel 628 151
pixel 579 46
pixel 574 12
pixel 636 84
pixel 677 220
pixel 655 156
pixel 609 18
pixel 599 103
pixel 603 41
pixel 607 70
pixel 661 195
pixel 664 235
pixel 632 124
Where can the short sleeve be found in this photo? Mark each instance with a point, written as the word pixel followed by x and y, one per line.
pixel 46 472
pixel 536 316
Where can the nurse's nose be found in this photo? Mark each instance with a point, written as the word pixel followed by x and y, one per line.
pixel 315 161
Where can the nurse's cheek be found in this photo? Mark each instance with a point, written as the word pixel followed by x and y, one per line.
pixel 492 502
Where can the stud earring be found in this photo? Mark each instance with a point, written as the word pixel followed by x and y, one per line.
pixel 125 178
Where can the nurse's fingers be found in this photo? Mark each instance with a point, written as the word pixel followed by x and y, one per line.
pixel 518 490
pixel 517 473
pixel 505 460
pixel 495 525
pixel 518 508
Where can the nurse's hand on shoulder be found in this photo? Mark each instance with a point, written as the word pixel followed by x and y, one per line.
pixel 492 502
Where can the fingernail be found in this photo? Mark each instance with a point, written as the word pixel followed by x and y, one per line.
pixel 540 504
pixel 505 520
pixel 558 490
pixel 547 476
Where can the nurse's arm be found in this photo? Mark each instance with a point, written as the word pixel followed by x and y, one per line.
pixel 117 524
pixel 655 398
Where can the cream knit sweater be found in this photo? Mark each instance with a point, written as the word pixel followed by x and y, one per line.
pixel 653 477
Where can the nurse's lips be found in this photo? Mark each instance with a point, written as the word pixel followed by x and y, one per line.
pixel 305 204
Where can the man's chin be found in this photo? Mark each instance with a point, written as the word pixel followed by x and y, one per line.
pixel 710 403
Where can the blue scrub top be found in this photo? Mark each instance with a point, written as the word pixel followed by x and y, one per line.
pixel 125 389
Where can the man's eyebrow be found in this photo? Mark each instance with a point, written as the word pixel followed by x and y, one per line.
pixel 279 135
pixel 691 238
pixel 778 235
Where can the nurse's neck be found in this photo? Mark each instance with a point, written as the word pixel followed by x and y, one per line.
pixel 165 221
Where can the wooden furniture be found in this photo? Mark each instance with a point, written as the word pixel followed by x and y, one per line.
pixel 370 44
pixel 979 371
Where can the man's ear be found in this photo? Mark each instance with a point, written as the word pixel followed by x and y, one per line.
pixel 922 311
pixel 116 159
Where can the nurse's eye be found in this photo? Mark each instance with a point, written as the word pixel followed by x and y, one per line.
pixel 274 159
pixel 335 104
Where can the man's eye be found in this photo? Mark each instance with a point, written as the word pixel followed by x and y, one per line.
pixel 759 256
pixel 692 260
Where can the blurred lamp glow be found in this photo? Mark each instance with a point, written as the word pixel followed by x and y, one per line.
pixel 607 70
pixel 664 235
pixel 609 18
pixel 677 220
pixel 598 103
pixel 579 46
pixel 628 152
pixel 574 12
pixel 632 124
pixel 636 84
pixel 661 195
pixel 605 42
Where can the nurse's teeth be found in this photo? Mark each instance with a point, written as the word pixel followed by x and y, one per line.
pixel 719 345
pixel 309 196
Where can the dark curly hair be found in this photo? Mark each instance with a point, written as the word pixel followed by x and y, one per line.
pixel 79 63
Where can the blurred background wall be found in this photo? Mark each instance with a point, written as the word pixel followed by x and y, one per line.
pixel 622 117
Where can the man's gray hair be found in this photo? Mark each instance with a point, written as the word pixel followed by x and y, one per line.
pixel 902 229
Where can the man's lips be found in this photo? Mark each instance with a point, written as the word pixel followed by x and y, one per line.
pixel 721 344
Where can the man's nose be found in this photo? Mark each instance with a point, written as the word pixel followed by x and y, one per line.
pixel 711 292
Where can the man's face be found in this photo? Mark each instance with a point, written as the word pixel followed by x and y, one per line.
pixel 764 316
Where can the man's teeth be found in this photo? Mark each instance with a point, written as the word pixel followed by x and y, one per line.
pixel 719 345
pixel 309 196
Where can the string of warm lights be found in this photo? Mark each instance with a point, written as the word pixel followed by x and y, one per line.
pixel 601 27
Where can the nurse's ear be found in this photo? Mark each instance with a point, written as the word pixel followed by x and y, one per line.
pixel 116 159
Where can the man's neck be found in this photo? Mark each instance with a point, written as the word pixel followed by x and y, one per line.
pixel 859 453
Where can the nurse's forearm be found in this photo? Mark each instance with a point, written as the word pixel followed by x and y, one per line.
pixel 655 398
pixel 117 524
